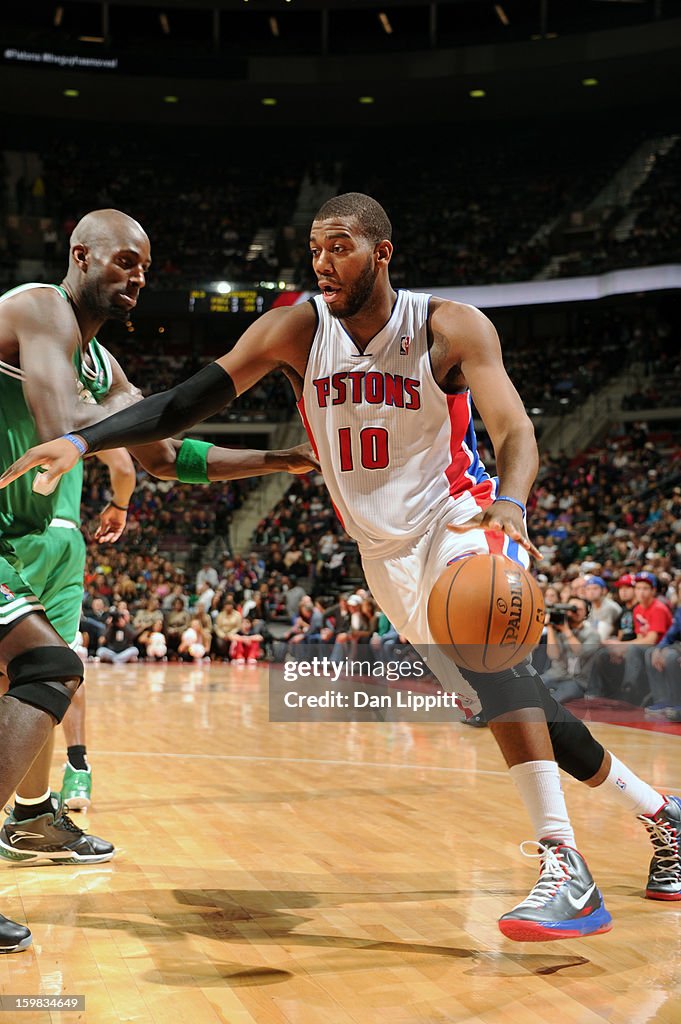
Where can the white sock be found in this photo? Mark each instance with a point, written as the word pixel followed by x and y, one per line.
pixel 637 794
pixel 538 783
pixel 29 801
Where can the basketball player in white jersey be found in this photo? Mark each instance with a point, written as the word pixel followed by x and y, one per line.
pixel 384 382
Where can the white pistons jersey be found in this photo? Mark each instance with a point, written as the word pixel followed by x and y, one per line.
pixel 393 447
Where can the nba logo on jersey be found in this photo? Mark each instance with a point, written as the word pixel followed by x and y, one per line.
pixel 6 592
pixel 405 342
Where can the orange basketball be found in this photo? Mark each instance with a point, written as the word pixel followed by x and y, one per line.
pixel 487 612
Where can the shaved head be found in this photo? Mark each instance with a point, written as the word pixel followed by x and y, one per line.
pixel 110 257
pixel 107 227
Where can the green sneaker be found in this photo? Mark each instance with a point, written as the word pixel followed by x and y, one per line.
pixel 76 788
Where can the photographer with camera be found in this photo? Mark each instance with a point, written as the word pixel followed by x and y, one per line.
pixel 118 643
pixel 571 643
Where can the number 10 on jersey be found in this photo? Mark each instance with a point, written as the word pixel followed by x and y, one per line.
pixel 372 446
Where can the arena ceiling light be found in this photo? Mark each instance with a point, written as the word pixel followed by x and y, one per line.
pixel 477 94
pixel 501 14
pixel 268 101
pixel 71 93
pixel 589 81
pixel 223 287
pixel 385 22
pixel 366 100
pixel 171 99
pixel 58 16
pixel 274 27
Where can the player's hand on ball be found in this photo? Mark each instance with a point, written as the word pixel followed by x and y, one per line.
pixel 54 458
pixel 500 516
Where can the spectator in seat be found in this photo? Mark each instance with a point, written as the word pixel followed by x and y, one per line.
pixel 663 665
pixel 205 594
pixel 207 574
pixel 195 642
pixel 302 624
pixel 226 627
pixel 245 646
pixel 618 670
pixel 340 616
pixel 626 598
pixel 605 612
pixel 384 636
pixel 177 621
pixel 154 642
pixel 94 622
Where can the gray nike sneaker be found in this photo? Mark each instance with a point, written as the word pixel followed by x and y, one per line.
pixel 565 902
pixel 664 829
pixel 13 937
pixel 51 838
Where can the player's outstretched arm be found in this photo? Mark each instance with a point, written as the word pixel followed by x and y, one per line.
pixel 204 463
pixel 473 345
pixel 275 340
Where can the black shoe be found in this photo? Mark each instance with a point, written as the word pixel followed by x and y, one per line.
pixel 477 721
pixel 13 937
pixel 53 838
pixel 664 829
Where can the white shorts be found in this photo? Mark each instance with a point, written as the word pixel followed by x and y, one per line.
pixel 401 585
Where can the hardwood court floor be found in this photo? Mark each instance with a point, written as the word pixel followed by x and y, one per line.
pixel 325 874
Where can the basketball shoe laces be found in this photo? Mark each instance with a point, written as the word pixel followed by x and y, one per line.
pixel 553 872
pixel 61 819
pixel 665 840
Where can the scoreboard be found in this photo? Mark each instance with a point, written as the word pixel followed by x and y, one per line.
pixel 239 300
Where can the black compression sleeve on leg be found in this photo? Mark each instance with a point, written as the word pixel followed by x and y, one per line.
pixel 164 414
pixel 574 748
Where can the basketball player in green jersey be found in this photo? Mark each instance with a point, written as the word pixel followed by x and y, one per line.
pixel 53 566
pixel 49 359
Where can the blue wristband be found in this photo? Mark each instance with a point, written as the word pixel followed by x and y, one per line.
pixel 80 445
pixel 514 501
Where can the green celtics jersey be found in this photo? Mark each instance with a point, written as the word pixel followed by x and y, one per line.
pixel 21 510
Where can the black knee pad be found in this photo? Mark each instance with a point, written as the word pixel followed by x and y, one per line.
pixel 511 690
pixel 37 677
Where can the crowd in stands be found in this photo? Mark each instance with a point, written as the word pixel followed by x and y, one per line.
pixel 477 213
pixel 166 514
pixel 655 235
pixel 153 367
pixel 201 212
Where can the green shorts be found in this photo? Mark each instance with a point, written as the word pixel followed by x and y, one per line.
pixel 43 572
